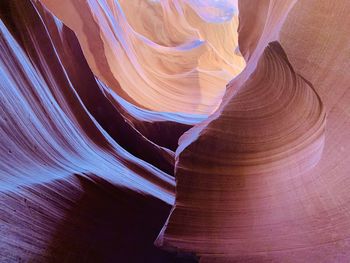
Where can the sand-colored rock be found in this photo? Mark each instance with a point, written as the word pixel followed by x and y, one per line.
pixel 236 113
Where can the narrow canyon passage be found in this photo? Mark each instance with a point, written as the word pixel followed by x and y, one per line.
pixel 174 131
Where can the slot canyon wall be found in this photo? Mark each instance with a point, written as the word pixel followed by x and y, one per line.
pixel 174 131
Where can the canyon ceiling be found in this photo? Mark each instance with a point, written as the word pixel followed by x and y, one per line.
pixel 174 131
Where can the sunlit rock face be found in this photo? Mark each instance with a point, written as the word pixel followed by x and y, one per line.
pixel 174 131
pixel 172 56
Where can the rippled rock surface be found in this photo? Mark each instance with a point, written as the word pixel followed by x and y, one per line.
pixel 174 131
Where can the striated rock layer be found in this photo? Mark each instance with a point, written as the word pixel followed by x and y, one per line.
pixel 268 135
pixel 112 111
pixel 180 60
pixel 252 183
pixel 66 162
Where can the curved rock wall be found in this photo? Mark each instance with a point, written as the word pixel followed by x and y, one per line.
pixel 231 118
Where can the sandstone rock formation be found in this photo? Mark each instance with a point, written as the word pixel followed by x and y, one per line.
pixel 174 131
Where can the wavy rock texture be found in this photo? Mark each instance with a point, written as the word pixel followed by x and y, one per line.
pixel 233 212
pixel 267 136
pixel 112 111
pixel 154 59
pixel 60 166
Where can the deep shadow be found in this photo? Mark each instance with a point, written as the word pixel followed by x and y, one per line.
pixel 109 224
